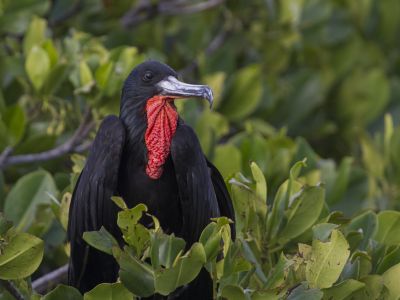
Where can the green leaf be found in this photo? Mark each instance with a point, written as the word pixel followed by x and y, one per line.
pixel 15 121
pixel 86 77
pixel 37 66
pixel 367 222
pixel 42 220
pixel 165 249
pixel 134 233
pixel 63 292
pixel 25 196
pixel 211 240
pixel 216 81
pixel 261 184
pixel 388 231
pixel 391 258
pixel 36 34
pixel 265 295
pixel 64 210
pixel 303 292
pixel 241 196
pixel 131 216
pixel 368 91
pixel 296 169
pixel 323 231
pixel 21 256
pixel 56 77
pixel 336 188
pixel 303 215
pixel 388 134
pixel 374 288
pixel 373 159
pixel 227 159
pixel 103 73
pixel 327 260
pixel 358 266
pixel 136 276
pixel 391 281
pixel 101 240
pixel 210 127
pixel 277 276
pixel 276 217
pixel 109 291
pixel 51 50
pixel 343 290
pixel 119 202
pixel 281 201
pixel 252 257
pixel 233 292
pixel 184 270
pixel 244 93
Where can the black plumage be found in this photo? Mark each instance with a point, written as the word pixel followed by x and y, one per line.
pixel 189 192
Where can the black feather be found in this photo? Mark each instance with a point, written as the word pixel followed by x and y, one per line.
pixel 91 207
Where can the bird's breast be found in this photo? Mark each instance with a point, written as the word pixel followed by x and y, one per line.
pixel 159 195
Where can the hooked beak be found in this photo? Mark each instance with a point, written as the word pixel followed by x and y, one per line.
pixel 174 88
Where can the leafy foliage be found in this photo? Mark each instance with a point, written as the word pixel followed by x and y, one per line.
pixel 292 80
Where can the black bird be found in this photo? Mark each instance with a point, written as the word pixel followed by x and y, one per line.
pixel 146 155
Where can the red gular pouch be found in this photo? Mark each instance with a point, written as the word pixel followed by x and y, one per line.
pixel 162 119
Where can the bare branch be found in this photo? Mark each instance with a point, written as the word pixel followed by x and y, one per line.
pixel 146 10
pixel 5 154
pixel 71 145
pixel 214 45
pixel 51 279
pixel 12 289
pixel 179 9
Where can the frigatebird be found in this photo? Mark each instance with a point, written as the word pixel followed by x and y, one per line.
pixel 146 155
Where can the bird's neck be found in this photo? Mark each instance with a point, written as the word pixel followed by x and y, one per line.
pixel 150 133
pixel 135 123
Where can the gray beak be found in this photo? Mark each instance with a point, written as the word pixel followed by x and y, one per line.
pixel 171 86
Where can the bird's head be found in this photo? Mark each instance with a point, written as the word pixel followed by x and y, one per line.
pixel 149 92
pixel 154 79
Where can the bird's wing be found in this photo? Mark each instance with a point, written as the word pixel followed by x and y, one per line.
pixel 91 206
pixel 224 200
pixel 196 191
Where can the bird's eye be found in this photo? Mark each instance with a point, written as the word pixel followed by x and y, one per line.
pixel 147 76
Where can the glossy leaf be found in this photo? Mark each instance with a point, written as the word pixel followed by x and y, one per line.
pixel 343 290
pixel 63 292
pixel 109 291
pixel 183 271
pixel 391 281
pixel 21 256
pixel 388 227
pixel 101 240
pixel 30 191
pixel 37 66
pixel 327 261
pixel 303 215
pixel 302 292
pixel 136 276
pixel 244 94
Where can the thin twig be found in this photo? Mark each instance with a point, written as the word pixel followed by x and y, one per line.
pixel 177 8
pixel 12 289
pixel 214 45
pixel 49 280
pixel 71 145
pixel 146 10
pixel 5 154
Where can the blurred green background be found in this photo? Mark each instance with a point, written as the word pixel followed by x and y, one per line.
pixel 292 79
